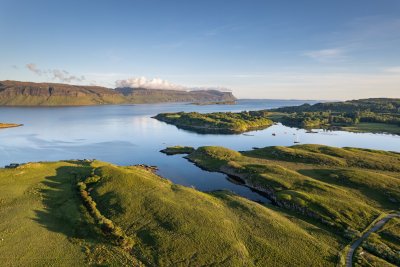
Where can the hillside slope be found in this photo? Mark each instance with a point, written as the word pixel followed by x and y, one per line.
pixel 45 221
pixel 344 188
pixel 140 95
pixel 14 93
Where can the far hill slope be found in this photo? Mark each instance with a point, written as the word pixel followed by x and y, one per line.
pixel 140 95
pixel 15 93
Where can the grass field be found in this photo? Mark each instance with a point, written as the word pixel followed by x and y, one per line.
pixel 385 244
pixel 44 222
pixel 344 188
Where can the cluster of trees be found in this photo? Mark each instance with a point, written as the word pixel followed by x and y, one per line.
pixel 348 113
pixel 105 224
pixel 229 121
pixel 319 119
pixel 378 110
pixel 376 105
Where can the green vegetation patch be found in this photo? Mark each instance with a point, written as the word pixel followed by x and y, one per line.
pixel 331 156
pixel 47 219
pixel 345 188
pixel 176 225
pixel 174 150
pixel 385 244
pixel 377 115
pixel 218 122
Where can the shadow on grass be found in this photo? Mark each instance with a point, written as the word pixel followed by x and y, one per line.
pixel 325 175
pixel 64 212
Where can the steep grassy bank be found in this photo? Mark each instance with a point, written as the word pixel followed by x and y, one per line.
pixel 45 220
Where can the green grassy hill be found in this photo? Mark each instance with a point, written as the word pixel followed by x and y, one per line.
pixel 343 188
pixel 385 243
pixel 48 220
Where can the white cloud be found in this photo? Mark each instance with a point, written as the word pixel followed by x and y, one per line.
pixel 156 83
pixel 32 67
pixel 326 54
pixel 143 82
pixel 55 74
pixel 64 76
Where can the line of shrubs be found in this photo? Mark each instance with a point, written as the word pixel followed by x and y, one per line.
pixel 105 224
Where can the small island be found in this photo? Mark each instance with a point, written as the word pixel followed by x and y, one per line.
pixel 175 150
pixel 9 125
pixel 218 122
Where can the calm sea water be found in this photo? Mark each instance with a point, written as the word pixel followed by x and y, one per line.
pixel 127 135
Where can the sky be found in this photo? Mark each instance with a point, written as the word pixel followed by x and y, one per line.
pixel 288 49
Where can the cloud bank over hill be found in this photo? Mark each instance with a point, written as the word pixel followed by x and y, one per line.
pixel 157 83
pixel 55 74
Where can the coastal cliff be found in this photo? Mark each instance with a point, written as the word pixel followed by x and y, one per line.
pixel 15 93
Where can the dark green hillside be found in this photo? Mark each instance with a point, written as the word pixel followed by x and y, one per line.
pixel 79 213
pixel 376 105
pixel 364 115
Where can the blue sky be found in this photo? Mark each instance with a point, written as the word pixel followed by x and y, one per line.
pixel 259 49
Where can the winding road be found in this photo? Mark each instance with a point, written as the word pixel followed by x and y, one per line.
pixel 376 227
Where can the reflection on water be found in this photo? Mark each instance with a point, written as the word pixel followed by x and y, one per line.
pixel 128 135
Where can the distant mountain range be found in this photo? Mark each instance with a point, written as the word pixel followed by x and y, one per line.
pixel 15 93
